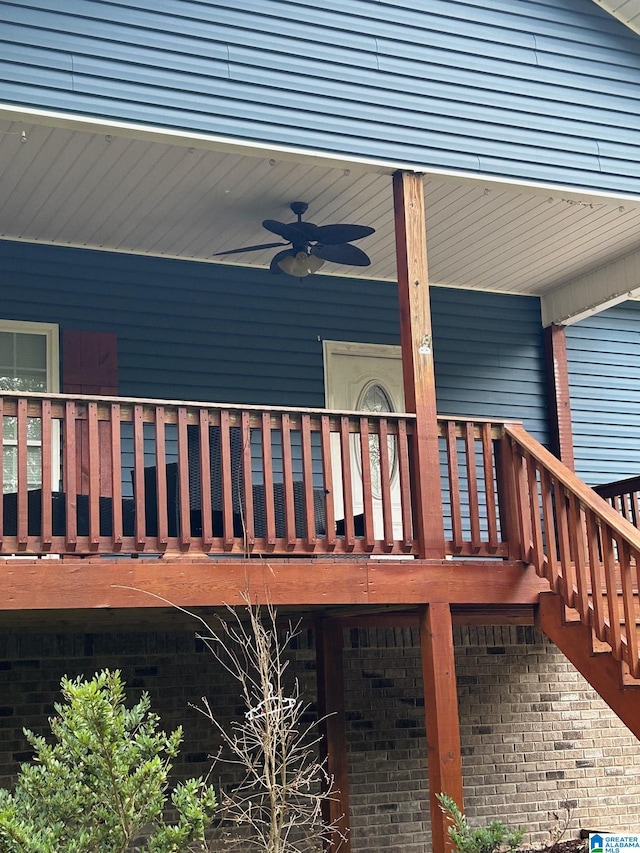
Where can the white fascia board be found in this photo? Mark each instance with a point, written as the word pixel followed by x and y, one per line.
pixel 591 293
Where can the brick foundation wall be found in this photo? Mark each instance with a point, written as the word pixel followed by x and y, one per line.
pixel 534 735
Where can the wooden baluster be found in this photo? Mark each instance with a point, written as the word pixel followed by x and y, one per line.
pixel 226 481
pixel 472 483
pixel 635 510
pixel 184 502
pixel 69 479
pixel 161 480
pixel 46 438
pixel 116 477
pixel 247 476
pixel 287 484
pixel 267 476
pixel 489 488
pixel 522 502
pixel 93 478
pixel 385 485
pixel 628 603
pixel 550 565
pixel 611 583
pixel 307 477
pixel 347 486
pixel 327 478
pixel 206 510
pixel 138 478
pixel 367 504
pixel 23 474
pixel 2 472
pixel 577 532
pixel 404 475
pixel 454 486
pixel 536 525
pixel 596 574
pixel 564 544
pixel 507 501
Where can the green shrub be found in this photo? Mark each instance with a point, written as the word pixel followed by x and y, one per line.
pixel 102 785
pixel 484 839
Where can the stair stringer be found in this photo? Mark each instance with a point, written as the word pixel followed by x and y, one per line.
pixel 601 670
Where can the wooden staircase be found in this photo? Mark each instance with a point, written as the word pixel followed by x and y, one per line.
pixel 590 555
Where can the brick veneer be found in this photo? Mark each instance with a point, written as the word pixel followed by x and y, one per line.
pixel 534 735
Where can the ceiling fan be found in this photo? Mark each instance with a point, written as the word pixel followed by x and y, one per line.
pixel 310 245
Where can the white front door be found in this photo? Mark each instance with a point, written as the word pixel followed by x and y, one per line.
pixel 365 377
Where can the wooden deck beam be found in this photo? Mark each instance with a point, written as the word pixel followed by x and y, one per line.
pixel 134 583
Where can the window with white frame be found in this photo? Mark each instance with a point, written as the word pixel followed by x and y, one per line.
pixel 28 362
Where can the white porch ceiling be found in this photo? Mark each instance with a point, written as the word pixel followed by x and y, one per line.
pixel 119 190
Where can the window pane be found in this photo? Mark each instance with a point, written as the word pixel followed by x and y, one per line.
pixel 31 352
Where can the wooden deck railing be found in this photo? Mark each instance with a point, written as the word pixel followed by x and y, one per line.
pixel 114 476
pixel 623 496
pixel 586 550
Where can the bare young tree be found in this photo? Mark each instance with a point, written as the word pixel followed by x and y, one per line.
pixel 277 805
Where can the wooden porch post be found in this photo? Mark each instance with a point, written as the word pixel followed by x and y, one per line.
pixel 442 720
pixel 417 360
pixel 333 746
pixel 558 394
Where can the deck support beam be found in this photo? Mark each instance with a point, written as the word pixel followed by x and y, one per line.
pixel 417 359
pixel 442 718
pixel 333 747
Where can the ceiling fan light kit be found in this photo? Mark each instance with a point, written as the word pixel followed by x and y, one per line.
pixel 311 245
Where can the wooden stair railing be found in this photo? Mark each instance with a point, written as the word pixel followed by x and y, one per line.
pixel 624 497
pixel 589 554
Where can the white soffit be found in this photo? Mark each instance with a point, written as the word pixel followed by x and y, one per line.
pixel 118 190
pixel 627 11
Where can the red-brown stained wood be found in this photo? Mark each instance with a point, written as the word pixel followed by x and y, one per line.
pixel 454 485
pixel 596 575
pixel 226 480
pixel 365 464
pixel 93 475
pixel 46 438
pixel 347 487
pixel 116 476
pixel 247 475
pixel 472 485
pixel 327 478
pixel 161 479
pixel 564 543
pixel 385 484
pixel 184 503
pixel 536 523
pixel 287 476
pixel 417 359
pixel 23 495
pixel 205 479
pixel 267 478
pixel 444 755
pixel 578 549
pixel 489 489
pixel 507 501
pixel 404 478
pixel 69 475
pixel 631 634
pixel 611 584
pixel 558 394
pixel 522 504
pixel 333 745
pixel 552 566
pixel 307 476
pixel 138 477
pixel 2 473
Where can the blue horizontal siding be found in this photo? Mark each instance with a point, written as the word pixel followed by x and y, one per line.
pixel 603 355
pixel 210 332
pixel 520 88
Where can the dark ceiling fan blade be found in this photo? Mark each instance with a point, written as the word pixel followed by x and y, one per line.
pixel 275 269
pixel 248 249
pixel 342 253
pixel 332 234
pixel 292 233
